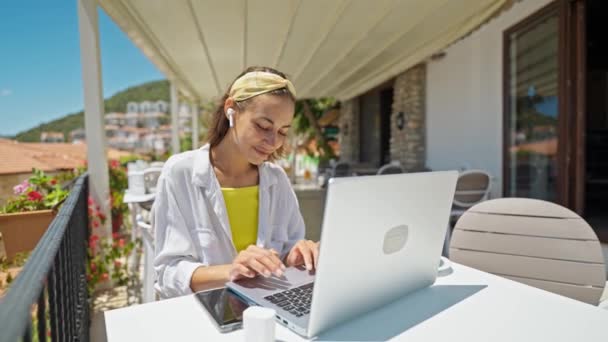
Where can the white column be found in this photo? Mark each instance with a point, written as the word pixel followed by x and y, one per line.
pixel 174 121
pixel 99 185
pixel 195 112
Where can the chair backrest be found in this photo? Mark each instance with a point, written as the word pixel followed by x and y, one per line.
pixel 147 233
pixel 534 242
pixel 151 175
pixel 472 187
pixel 390 169
pixel 157 164
pixel 341 169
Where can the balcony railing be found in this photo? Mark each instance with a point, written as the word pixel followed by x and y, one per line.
pixel 49 296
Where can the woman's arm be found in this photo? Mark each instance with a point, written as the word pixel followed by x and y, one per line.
pixel 209 277
pixel 176 257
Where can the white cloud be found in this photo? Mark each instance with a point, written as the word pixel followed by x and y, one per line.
pixel 6 92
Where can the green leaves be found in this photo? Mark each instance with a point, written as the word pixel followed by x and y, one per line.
pixel 56 196
pixel 301 124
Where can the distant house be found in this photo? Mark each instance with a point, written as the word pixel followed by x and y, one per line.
pixel 132 107
pixel 143 128
pixel 184 119
pixel 116 119
pixel 154 119
pixel 77 136
pixel 52 137
pixel 148 106
pixel 133 119
pixel 161 106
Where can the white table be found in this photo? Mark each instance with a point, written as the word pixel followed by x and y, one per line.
pixel 467 305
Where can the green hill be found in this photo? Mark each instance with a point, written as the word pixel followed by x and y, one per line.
pixel 156 90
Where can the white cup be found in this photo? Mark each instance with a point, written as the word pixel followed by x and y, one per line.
pixel 259 325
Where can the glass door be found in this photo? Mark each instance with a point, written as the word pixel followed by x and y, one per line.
pixel 532 107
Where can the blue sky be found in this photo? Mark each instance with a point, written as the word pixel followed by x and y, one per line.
pixel 40 73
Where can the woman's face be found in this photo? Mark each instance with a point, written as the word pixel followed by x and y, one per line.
pixel 262 126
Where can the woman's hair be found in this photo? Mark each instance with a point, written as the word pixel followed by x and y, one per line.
pixel 219 122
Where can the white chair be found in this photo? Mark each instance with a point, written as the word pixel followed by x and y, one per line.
pixel 141 164
pixel 390 169
pixel 151 175
pixel 534 242
pixel 147 233
pixel 341 169
pixel 336 169
pixel 158 164
pixel 472 187
pixel 136 183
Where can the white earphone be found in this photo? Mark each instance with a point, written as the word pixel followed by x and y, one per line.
pixel 230 115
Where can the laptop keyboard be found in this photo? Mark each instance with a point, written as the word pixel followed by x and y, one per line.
pixel 296 301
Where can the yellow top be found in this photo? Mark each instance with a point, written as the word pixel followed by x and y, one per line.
pixel 242 206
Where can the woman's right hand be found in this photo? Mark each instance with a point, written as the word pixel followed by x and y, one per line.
pixel 255 260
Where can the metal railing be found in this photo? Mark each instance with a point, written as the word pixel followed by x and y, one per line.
pixel 49 296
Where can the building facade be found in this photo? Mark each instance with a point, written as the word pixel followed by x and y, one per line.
pixel 522 97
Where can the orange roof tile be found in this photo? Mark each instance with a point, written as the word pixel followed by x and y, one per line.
pixel 22 157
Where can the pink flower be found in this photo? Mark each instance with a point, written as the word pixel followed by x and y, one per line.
pixel 21 188
pixel 114 164
pixel 90 201
pixel 104 276
pixel 121 243
pixel 92 246
pixel 34 196
pixel 115 236
pixel 93 242
pixel 117 264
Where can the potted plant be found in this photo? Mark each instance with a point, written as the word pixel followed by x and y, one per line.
pixel 27 215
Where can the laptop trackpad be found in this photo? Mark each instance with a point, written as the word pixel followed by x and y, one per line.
pixel 260 286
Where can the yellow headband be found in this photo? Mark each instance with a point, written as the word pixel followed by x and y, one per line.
pixel 258 82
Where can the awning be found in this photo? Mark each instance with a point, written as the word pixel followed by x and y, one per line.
pixel 335 48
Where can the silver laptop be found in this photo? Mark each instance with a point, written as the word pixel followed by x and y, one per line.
pixel 382 238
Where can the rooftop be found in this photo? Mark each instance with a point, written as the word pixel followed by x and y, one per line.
pixel 19 157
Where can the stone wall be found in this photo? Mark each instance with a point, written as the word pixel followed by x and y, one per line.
pixel 408 145
pixel 349 131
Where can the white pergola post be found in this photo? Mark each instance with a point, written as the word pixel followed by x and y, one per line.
pixel 195 114
pixel 99 184
pixel 174 120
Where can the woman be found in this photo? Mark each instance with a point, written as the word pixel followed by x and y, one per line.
pixel 224 212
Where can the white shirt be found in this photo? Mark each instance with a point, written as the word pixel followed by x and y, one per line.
pixel 191 223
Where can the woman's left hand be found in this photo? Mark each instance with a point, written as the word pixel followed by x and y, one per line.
pixel 304 252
